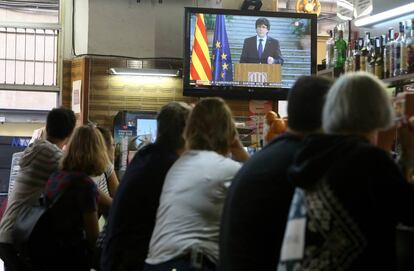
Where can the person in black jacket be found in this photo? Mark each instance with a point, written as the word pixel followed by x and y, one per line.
pixel 132 216
pixel 261 48
pixel 254 215
pixel 351 194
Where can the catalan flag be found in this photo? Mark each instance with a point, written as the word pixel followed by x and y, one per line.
pixel 200 67
pixel 222 65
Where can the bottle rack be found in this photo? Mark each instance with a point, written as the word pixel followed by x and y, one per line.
pixel 397 81
pixel 400 80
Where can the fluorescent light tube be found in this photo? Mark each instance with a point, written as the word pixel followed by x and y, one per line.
pixel 145 72
pixel 386 15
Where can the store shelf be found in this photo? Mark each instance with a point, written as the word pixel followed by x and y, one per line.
pixel 392 82
pixel 330 73
pixel 400 80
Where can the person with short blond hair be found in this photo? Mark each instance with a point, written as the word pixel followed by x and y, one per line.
pixel 188 217
pixel 210 127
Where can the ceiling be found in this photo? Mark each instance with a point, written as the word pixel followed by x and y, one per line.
pixel 327 18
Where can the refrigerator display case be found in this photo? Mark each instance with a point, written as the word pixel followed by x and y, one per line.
pixel 132 131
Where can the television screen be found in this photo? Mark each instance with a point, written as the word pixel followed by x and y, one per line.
pixel 251 54
pixel 146 130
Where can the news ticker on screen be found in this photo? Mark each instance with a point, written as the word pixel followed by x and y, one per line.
pixel 239 83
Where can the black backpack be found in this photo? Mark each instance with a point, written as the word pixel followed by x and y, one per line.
pixel 32 231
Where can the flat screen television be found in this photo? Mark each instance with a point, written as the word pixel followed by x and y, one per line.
pixel 246 54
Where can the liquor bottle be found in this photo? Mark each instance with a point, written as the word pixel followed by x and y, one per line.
pixel 386 55
pixel 330 44
pixel 391 56
pixel 410 49
pixel 403 69
pixel 372 55
pixel 349 62
pixel 365 52
pixel 357 54
pixel 398 43
pixel 379 62
pixel 340 49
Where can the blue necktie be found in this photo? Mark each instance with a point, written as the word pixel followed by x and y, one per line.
pixel 260 49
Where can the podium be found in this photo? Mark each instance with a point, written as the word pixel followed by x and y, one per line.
pixel 258 73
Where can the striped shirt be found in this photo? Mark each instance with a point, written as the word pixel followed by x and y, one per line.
pixel 38 161
pixel 102 180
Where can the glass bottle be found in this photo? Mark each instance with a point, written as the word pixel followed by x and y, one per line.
pixel 403 69
pixel 398 43
pixel 365 52
pixel 357 54
pixel 372 55
pixel 330 44
pixel 349 59
pixel 386 55
pixel 410 49
pixel 391 57
pixel 340 49
pixel 379 62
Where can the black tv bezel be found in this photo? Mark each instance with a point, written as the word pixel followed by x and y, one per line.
pixel 239 92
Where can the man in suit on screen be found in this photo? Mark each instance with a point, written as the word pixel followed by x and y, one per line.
pixel 261 48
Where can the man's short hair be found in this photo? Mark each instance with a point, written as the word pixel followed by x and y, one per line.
pixel 357 102
pixel 305 103
pixel 60 123
pixel 263 21
pixel 171 121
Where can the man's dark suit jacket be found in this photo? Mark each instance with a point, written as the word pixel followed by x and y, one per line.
pixel 271 48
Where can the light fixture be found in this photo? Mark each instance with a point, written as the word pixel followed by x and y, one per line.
pixel 145 72
pixel 386 15
pixel 251 5
pixel 345 10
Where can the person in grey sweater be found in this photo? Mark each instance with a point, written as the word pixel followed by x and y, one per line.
pixel 38 161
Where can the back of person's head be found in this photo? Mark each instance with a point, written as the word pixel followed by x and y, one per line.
pixel 171 121
pixel 357 102
pixel 263 21
pixel 60 123
pixel 210 126
pixel 109 141
pixel 305 103
pixel 86 152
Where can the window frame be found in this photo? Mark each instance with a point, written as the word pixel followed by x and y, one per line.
pixel 59 62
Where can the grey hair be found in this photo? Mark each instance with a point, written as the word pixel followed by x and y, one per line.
pixel 357 102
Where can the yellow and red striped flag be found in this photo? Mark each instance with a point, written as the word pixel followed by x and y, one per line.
pixel 200 68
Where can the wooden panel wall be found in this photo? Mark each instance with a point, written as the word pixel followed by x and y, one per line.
pixel 104 95
pixel 109 94
pixel 73 70
pixel 66 98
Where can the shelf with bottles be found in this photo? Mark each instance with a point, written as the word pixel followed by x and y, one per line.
pixel 400 80
pixel 331 72
pixel 389 56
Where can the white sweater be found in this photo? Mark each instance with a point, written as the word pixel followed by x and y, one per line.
pixel 191 204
